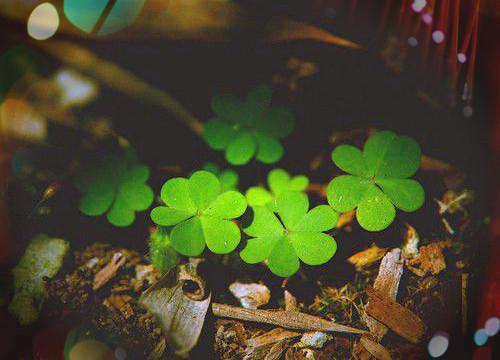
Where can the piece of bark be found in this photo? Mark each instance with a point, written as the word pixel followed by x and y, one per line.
pixel 287 319
pixel 290 302
pixel 387 282
pixel 374 348
pixel 251 296
pixel 181 310
pixel 395 316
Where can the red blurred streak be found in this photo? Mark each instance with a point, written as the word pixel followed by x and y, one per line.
pixel 442 26
pixel 470 27
pixel 385 14
pixel 454 45
pixel 470 66
pixel 428 32
pixel 402 10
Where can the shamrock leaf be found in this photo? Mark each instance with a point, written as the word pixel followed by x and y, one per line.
pixel 228 178
pixel 162 255
pixel 379 179
pixel 294 233
pixel 278 181
pixel 200 212
pixel 116 187
pixel 250 128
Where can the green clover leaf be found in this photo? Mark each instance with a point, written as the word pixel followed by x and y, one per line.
pixel 294 233
pixel 162 255
pixel 250 128
pixel 278 181
pixel 116 187
pixel 378 180
pixel 228 178
pixel 201 214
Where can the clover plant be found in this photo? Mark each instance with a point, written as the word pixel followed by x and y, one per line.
pixel 252 127
pixel 378 181
pixel 278 181
pixel 228 178
pixel 201 214
pixel 116 187
pixel 161 253
pixel 294 233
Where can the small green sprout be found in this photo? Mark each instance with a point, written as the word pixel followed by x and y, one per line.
pixel 42 259
pixel 117 187
pixel 245 129
pixel 295 233
pixel 161 253
pixel 200 213
pixel 278 181
pixel 228 178
pixel 379 179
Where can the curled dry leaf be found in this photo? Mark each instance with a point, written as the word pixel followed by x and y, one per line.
pixel 430 259
pixel 345 220
pixel 270 345
pixel 410 242
pixel 365 258
pixel 290 302
pixel 180 303
pixel 251 296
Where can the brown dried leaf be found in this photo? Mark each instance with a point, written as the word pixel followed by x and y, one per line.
pixel 365 258
pixel 375 349
pixel 430 259
pixel 290 302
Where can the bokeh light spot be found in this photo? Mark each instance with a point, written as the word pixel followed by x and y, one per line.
pixel 461 57
pixel 43 22
pixel 438 345
pixel 492 326
pixel 412 41
pixel 438 36
pixel 467 111
pixel 480 337
pixel 418 5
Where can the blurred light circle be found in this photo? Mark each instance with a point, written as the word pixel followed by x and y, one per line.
pixel 492 326
pixel 468 111
pixel 427 18
pixel 43 22
pixel 480 337
pixel 412 41
pixel 438 345
pixel 461 57
pixel 418 5
pixel 438 36
pixel 120 353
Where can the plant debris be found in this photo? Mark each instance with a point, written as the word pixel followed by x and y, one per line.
pixel 430 259
pixel 251 296
pixel 368 257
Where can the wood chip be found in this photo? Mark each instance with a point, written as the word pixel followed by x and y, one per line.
pixel 287 319
pixel 368 257
pixel 395 316
pixel 251 296
pixel 375 349
pixel 387 282
pixel 109 271
pixel 121 303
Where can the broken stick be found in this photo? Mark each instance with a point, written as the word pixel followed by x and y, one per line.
pixel 286 319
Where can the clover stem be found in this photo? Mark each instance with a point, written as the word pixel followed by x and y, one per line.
pixel 119 79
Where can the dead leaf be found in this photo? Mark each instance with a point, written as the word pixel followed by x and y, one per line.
pixel 365 258
pixel 180 303
pixel 269 345
pixel 121 303
pixel 410 242
pixel 378 351
pixel 345 220
pixel 251 296
pixel 430 259
pixel 290 302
